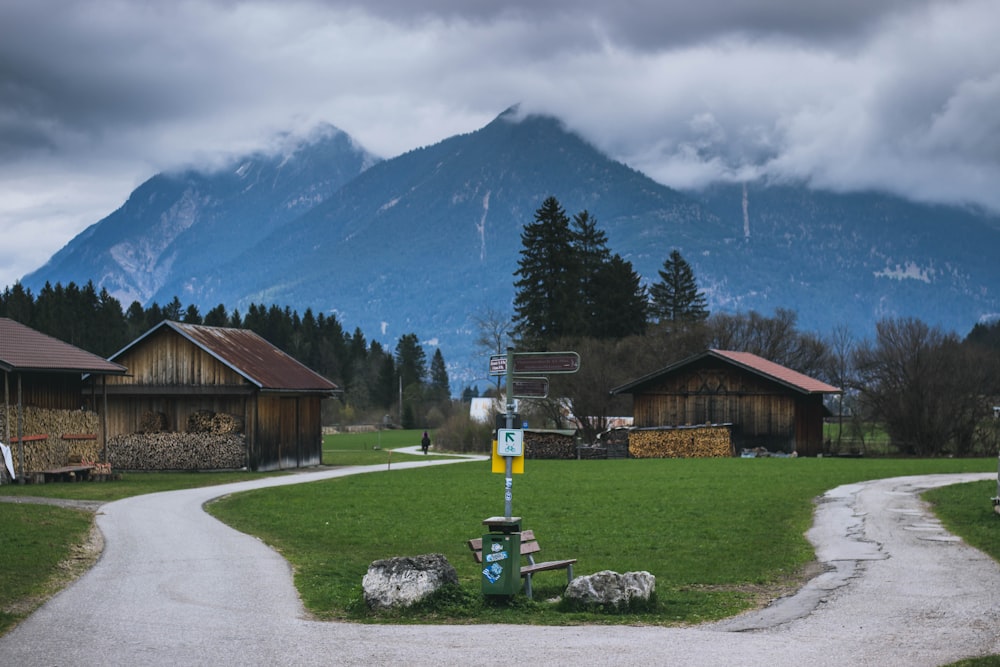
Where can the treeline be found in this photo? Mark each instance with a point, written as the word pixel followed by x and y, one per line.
pixel 930 390
pixel 373 378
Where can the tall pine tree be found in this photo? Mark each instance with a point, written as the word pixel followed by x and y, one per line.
pixel 439 389
pixel 620 301
pixel 675 298
pixel 543 305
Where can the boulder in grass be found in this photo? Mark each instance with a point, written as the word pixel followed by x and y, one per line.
pixel 405 580
pixel 612 589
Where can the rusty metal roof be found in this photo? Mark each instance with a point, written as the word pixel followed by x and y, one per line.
pixel 777 372
pixel 751 362
pixel 24 349
pixel 249 355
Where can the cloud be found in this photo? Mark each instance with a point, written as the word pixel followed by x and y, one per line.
pixel 96 96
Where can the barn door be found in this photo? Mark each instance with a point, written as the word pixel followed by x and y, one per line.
pixel 290 445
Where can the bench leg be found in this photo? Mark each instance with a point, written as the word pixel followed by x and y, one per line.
pixel 527 585
pixel 569 573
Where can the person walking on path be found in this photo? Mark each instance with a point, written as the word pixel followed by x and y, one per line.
pixel 425 442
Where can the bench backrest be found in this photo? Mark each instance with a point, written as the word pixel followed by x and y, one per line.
pixel 529 545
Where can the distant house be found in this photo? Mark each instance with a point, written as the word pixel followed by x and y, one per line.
pixel 199 397
pixel 763 403
pixel 50 414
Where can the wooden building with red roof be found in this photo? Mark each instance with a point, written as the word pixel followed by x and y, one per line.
pixel 201 397
pixel 764 404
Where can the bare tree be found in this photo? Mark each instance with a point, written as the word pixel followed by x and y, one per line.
pixel 493 333
pixel 774 338
pixel 839 370
pixel 924 385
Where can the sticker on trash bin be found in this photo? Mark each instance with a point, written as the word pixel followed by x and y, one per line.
pixel 493 572
pixel 496 546
pixel 492 558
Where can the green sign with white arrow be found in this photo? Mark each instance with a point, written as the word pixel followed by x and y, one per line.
pixel 510 442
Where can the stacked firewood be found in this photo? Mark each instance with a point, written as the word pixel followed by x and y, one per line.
pixel 223 422
pixel 206 421
pixel 549 445
pixel 177 451
pixel 55 450
pixel 681 442
pixel 152 422
pixel 200 422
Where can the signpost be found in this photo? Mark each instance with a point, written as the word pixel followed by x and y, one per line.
pixel 530 387
pixel 510 441
pixel 546 362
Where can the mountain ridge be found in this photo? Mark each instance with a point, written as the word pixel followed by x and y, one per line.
pixel 422 242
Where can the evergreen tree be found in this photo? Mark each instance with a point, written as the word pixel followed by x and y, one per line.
pixel 192 315
pixel 590 255
pixel 18 304
pixel 676 297
pixel 620 303
pixel 545 297
pixel 112 327
pixel 135 320
pixel 384 392
pixel 411 361
pixel 172 311
pixel 439 389
pixel 217 317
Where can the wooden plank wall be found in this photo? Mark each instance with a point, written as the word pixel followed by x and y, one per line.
pixel 51 391
pixel 760 411
pixel 168 359
pixel 125 412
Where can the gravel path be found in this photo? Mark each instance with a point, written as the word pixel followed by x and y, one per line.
pixel 176 587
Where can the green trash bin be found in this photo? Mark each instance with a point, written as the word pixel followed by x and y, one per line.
pixel 501 563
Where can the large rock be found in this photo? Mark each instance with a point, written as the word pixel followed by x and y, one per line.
pixel 402 581
pixel 611 589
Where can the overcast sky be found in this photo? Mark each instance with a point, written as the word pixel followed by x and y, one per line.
pixel 97 96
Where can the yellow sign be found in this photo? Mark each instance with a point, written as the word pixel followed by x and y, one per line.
pixel 499 463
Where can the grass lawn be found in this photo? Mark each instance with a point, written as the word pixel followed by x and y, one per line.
pixel 37 542
pixel 721 535
pixel 370 448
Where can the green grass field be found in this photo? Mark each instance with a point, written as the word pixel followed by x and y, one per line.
pixel 721 535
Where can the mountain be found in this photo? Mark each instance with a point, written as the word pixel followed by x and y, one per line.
pixel 421 242
pixel 176 225
pixel 424 242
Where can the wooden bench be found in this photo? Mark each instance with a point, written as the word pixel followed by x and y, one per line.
pixel 529 547
pixel 70 473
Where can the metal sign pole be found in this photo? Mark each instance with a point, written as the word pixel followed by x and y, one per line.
pixel 508 494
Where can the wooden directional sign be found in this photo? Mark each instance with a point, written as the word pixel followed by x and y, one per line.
pixel 546 362
pixel 525 387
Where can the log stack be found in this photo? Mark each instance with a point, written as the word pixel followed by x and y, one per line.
pixel 177 451
pixel 200 422
pixel 540 444
pixel 206 421
pixel 708 441
pixel 54 450
pixel 152 422
pixel 226 423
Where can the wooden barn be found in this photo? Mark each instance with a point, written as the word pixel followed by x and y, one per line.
pixel 763 403
pixel 199 397
pixel 50 415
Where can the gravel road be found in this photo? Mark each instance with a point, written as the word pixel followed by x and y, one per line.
pixel 176 587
